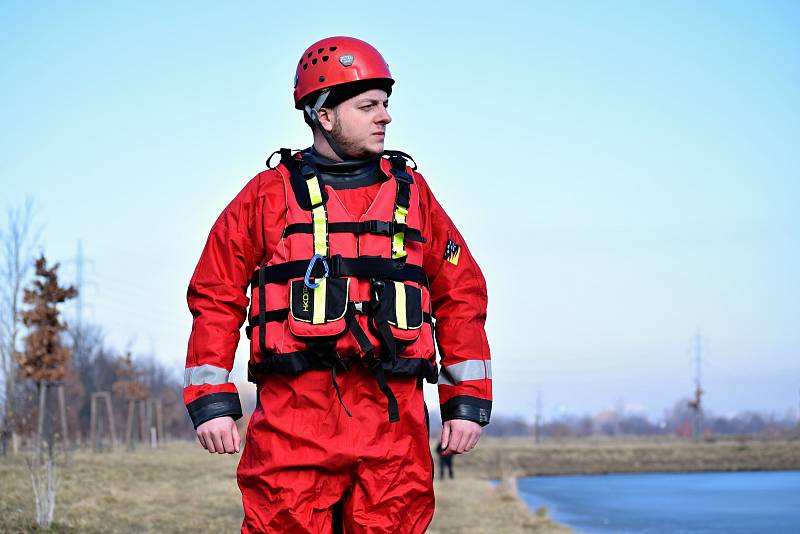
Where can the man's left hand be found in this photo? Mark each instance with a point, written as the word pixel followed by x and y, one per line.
pixel 459 436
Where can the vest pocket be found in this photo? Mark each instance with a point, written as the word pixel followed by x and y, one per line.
pixel 318 312
pixel 404 310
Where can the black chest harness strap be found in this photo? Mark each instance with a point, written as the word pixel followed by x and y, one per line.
pixel 338 266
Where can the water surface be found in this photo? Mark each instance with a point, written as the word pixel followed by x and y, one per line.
pixel 679 503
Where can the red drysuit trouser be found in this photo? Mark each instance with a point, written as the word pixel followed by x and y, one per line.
pixel 303 455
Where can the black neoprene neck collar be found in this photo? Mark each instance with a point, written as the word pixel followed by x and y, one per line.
pixel 348 174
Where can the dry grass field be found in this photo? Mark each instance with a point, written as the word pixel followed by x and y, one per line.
pixel 179 488
pixel 182 488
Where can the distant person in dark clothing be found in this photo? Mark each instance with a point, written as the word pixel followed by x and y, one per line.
pixel 444 461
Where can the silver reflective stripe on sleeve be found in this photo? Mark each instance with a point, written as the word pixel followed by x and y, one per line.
pixel 205 374
pixel 468 370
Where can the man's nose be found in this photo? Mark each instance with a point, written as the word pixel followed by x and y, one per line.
pixel 384 117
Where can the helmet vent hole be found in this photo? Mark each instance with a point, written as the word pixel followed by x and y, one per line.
pixel 324 58
pixel 320 50
pixel 305 66
pixel 322 79
pixel 314 61
pixel 309 54
pixel 332 49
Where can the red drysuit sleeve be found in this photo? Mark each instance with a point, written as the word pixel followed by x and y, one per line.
pixel 218 296
pixel 459 299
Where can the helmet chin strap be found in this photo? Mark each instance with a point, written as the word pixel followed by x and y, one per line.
pixel 313 113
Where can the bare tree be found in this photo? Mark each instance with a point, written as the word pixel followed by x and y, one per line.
pixel 130 387
pixel 97 367
pixel 17 244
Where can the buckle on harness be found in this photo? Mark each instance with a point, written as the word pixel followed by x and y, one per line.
pixel 314 259
pixel 306 170
pixel 378 227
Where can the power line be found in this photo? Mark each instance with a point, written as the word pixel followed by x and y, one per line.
pixel 538 421
pixel 79 283
pixel 79 260
pixel 696 404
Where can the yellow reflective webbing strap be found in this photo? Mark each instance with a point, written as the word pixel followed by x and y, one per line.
pixel 314 191
pixel 320 230
pixel 398 239
pixel 402 201
pixel 400 305
pixel 319 217
pixel 319 302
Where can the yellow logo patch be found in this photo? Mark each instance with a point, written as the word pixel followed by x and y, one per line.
pixel 452 252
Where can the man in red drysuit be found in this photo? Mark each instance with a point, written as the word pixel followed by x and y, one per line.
pixel 352 266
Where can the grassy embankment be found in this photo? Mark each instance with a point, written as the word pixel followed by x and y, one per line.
pixel 517 457
pixel 182 488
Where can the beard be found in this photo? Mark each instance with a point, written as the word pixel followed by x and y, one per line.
pixel 348 145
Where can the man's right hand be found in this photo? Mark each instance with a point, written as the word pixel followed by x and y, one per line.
pixel 219 435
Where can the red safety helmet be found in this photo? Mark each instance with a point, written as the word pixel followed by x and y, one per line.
pixel 335 61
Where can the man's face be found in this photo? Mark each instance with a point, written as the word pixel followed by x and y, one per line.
pixel 358 125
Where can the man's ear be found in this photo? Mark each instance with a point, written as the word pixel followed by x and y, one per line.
pixel 326 119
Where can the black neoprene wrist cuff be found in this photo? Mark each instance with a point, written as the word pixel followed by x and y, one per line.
pixel 214 405
pixel 467 407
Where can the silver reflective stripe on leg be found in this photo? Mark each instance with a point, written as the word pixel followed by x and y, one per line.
pixel 205 374
pixel 468 370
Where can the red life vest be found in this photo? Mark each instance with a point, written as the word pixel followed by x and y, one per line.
pixel 339 290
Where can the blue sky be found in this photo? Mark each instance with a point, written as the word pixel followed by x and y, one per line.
pixel 626 173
